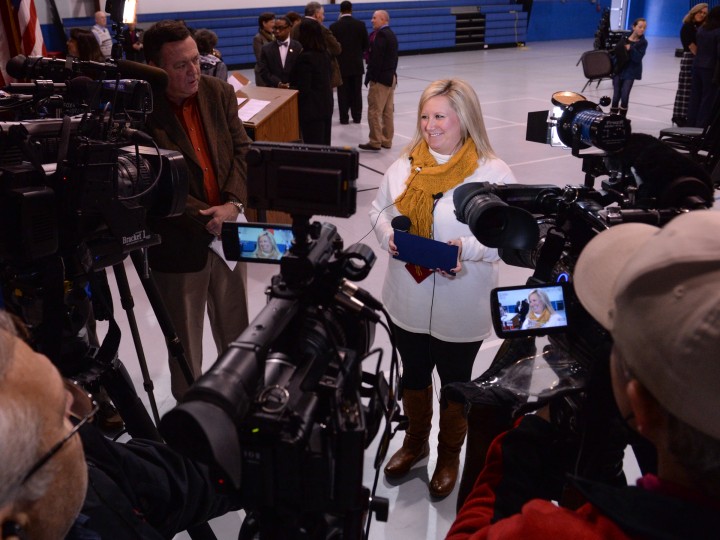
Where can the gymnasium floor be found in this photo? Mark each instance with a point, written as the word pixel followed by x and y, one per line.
pixel 510 83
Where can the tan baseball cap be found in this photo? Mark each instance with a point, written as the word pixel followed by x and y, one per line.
pixel 657 290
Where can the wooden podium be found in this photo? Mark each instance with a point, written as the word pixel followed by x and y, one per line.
pixel 276 122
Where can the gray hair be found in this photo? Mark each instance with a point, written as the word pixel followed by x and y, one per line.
pixel 20 434
pixel 696 452
pixel 311 8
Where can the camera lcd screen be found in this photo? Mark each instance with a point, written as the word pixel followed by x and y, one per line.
pixel 256 242
pixel 529 310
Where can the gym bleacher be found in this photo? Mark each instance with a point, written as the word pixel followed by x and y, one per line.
pixel 434 25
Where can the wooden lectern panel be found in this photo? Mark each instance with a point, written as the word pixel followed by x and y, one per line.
pixel 277 122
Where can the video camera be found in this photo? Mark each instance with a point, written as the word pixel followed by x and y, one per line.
pixel 545 227
pixel 280 416
pixel 78 183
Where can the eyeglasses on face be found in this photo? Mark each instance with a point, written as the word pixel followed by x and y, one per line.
pixel 279 28
pixel 82 410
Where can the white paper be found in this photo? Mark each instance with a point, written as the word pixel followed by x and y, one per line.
pixel 236 84
pixel 251 108
pixel 241 100
pixel 216 245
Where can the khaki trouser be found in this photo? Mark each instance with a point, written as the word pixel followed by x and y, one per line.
pixel 186 297
pixel 381 108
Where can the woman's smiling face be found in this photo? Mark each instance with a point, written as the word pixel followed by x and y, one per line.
pixel 440 125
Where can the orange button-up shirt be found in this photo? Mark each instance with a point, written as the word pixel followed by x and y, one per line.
pixel 189 115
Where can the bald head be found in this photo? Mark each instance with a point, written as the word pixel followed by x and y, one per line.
pixel 100 18
pixel 380 18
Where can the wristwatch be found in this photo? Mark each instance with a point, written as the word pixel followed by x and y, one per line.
pixel 238 205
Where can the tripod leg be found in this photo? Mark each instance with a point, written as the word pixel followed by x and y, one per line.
pixel 128 304
pixel 175 347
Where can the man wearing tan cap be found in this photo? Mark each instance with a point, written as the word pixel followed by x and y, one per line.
pixel 657 291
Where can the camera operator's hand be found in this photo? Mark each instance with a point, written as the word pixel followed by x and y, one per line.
pixel 219 214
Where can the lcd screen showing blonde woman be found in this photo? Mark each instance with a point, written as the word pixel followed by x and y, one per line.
pixel 528 310
pixel 256 242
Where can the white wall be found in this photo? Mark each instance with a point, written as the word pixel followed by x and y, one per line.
pixel 84 8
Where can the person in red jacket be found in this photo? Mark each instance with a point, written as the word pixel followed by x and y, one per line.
pixel 657 291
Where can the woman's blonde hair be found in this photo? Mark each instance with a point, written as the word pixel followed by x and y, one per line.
pixel 274 252
pixel 466 105
pixel 690 17
pixel 544 298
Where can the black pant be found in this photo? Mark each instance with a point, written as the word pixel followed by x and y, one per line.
pixel 421 353
pixel 316 131
pixel 350 97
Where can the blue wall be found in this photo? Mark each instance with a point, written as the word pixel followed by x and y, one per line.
pixel 664 17
pixel 568 19
pixel 549 19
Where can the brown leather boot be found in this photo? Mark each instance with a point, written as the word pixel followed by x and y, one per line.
pixel 418 407
pixel 453 427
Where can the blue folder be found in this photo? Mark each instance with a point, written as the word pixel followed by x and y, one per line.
pixel 425 252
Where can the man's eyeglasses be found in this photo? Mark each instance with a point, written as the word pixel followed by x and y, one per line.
pixel 278 28
pixel 83 409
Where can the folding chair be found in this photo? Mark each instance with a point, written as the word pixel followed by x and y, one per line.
pixel 701 144
pixel 597 65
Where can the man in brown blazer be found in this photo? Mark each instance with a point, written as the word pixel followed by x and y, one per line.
pixel 197 116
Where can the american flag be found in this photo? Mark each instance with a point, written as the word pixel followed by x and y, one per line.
pixel 19 33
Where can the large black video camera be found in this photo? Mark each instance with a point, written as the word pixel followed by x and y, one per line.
pixel 546 227
pixel 280 415
pixel 78 183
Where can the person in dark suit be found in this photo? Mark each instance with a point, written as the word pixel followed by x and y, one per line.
pixel 381 76
pixel 132 43
pixel 266 22
pixel 278 57
pixel 197 116
pixel 315 12
pixel 311 76
pixel 353 38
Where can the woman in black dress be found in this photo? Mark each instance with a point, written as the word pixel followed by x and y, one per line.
pixel 704 91
pixel 694 18
pixel 311 77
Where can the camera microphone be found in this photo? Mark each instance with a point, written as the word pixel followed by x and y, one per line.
pixel 35 88
pixel 33 67
pixel 401 223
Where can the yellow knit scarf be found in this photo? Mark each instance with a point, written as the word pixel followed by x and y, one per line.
pixel 542 318
pixel 427 178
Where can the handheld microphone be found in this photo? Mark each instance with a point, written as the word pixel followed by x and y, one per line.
pixel 401 223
